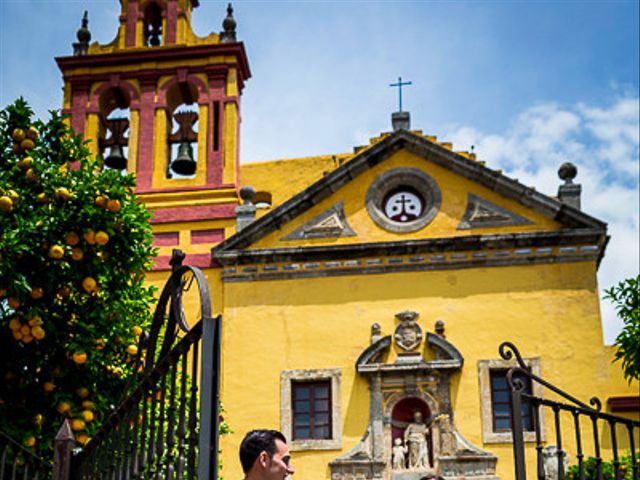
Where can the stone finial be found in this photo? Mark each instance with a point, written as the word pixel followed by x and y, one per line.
pixel 439 327
pixel 569 192
pixel 246 212
pixel 228 35
pixel 375 332
pixel 84 37
pixel 401 121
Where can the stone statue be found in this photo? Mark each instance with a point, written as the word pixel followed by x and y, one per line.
pixel 415 437
pixel 399 455
pixel 447 437
pixel 550 461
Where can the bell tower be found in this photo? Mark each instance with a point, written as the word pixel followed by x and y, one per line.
pixel 162 103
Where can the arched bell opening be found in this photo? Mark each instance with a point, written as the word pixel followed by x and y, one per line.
pixel 115 116
pixel 152 28
pixel 182 130
pixel 411 434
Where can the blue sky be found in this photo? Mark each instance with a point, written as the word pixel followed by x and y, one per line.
pixel 529 84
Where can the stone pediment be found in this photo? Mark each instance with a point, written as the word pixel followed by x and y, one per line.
pixel 406 203
pixel 448 357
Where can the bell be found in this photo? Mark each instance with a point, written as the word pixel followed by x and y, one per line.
pixel 184 164
pixel 116 159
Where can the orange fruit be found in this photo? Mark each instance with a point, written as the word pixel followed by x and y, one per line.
pixel 136 330
pixel 38 332
pixel 89 285
pixel 77 424
pixel 63 193
pixel 36 293
pixel 102 238
pixel 77 254
pixel 25 163
pixel 13 195
pixel 87 404
pixel 31 175
pixel 72 239
pixel 100 343
pixel 14 324
pixel 132 349
pixel 114 206
pixel 63 407
pixel 14 302
pixel 27 144
pixel 49 387
pixel 79 357
pixel 83 392
pixel 25 330
pixel 38 419
pixel 30 441
pixel 6 205
pixel 90 237
pixel 56 252
pixel 27 339
pixel 102 201
pixel 32 133
pixel 42 198
pixel 88 415
pixel 64 292
pixel 18 134
pixel 35 321
pixel 83 438
pixel 17 334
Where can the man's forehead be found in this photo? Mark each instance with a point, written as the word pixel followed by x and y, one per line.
pixel 281 448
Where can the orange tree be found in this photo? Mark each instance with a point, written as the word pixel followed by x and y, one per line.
pixel 74 245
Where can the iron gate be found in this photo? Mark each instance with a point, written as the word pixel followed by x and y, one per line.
pixel 167 424
pixel 584 423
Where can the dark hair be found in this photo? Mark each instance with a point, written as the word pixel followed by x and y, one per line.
pixel 257 441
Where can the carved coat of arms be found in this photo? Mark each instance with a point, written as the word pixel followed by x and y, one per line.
pixel 408 334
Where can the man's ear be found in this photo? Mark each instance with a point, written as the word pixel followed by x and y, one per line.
pixel 262 459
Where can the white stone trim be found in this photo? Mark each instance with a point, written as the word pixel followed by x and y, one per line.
pixel 286 377
pixel 484 370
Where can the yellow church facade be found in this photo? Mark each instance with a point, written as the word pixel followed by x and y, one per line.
pixel 359 291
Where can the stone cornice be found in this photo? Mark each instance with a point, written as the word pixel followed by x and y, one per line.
pixel 158 54
pixel 595 238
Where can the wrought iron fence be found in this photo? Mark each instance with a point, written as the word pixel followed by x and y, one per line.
pixel 16 462
pixel 578 430
pixel 167 424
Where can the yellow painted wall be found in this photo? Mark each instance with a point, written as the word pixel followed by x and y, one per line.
pixel 550 311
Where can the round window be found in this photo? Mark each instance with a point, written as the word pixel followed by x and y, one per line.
pixel 403 205
pixel 403 200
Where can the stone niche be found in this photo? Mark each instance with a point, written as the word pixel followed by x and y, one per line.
pixel 411 433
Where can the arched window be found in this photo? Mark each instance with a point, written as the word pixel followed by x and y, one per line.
pixel 152 25
pixel 113 136
pixel 182 130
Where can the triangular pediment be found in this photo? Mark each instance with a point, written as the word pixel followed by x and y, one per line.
pixel 407 191
pixel 482 213
pixel 329 224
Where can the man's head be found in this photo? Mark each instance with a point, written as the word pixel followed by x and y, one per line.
pixel 264 455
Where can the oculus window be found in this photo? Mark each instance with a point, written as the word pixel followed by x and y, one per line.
pixel 403 200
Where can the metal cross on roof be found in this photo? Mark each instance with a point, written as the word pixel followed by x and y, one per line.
pixel 400 84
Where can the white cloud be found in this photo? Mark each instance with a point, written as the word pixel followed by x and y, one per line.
pixel 603 142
